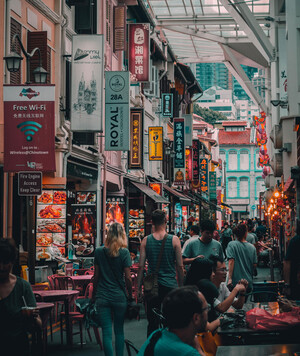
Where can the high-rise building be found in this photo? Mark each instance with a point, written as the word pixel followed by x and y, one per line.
pixel 217 74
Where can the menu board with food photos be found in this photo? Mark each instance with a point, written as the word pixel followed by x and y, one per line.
pixel 136 223
pixel 115 210
pixel 86 198
pixel 84 229
pixel 50 223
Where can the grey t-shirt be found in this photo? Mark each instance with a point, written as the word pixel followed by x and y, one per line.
pixel 251 238
pixel 244 255
pixel 197 247
pixel 108 288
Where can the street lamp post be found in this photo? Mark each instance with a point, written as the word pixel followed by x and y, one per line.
pixel 13 63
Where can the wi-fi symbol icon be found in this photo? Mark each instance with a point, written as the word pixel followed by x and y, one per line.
pixel 29 128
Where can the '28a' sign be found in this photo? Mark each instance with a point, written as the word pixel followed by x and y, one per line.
pixel 117 111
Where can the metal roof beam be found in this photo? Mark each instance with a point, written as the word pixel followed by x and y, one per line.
pixel 235 68
pixel 205 59
pixel 241 13
pixel 203 35
pixel 201 20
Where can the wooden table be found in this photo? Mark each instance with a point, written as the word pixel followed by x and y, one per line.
pixel 61 295
pixel 259 350
pixel 84 278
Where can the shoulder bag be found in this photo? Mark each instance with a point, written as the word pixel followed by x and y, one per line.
pixel 151 280
pixel 133 310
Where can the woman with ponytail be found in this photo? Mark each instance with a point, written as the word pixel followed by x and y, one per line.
pixel 112 264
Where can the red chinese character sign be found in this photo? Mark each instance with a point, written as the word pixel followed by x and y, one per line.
pixel 261 142
pixel 136 143
pixel 204 174
pixel 196 153
pixel 179 148
pixel 139 43
pixel 188 164
pixel 29 143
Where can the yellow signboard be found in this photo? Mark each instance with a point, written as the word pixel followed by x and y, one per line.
pixel 156 143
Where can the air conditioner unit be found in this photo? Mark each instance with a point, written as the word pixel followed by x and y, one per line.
pixel 277 164
pixel 276 136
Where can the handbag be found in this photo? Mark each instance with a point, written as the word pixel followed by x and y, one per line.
pixel 151 280
pixel 133 310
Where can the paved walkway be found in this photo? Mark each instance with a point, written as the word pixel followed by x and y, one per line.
pixel 135 331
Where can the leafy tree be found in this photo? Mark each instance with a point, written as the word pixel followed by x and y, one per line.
pixel 209 115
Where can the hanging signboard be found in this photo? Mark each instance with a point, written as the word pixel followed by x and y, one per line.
pixel 29 143
pixel 156 143
pixel 167 105
pixel 204 174
pixel 157 187
pixel 188 164
pixel 188 129
pixel 117 111
pixel 115 210
pixel 29 183
pixel 50 223
pixel 87 83
pixel 179 176
pixel 136 143
pixel 138 52
pixel 179 144
pixel 196 154
pixel 84 229
pixel 213 185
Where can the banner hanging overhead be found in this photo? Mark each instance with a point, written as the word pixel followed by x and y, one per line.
pixel 138 52
pixel 156 143
pixel 204 174
pixel 136 142
pixel 167 105
pixel 117 111
pixel 188 164
pixel 29 143
pixel 196 154
pixel 87 83
pixel 179 144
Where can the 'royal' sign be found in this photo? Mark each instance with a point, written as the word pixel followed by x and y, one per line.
pixel 117 111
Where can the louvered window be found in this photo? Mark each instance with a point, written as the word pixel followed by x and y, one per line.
pixel 119 28
pixel 15 28
pixel 39 39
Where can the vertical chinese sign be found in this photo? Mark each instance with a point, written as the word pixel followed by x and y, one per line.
pixel 156 143
pixel 87 82
pixel 167 105
pixel 136 143
pixel 138 52
pixel 117 111
pixel 212 185
pixel 204 174
pixel 29 143
pixel 196 153
pixel 188 164
pixel 179 148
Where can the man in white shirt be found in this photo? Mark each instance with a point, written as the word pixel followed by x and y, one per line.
pixel 194 233
pixel 226 299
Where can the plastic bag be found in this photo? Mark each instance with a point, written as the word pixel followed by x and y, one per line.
pixel 260 319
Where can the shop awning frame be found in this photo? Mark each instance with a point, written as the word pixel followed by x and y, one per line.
pixel 150 193
pixel 184 200
pixel 202 199
pixel 227 206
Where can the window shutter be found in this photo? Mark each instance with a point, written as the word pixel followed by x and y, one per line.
pixel 119 28
pixel 38 39
pixel 15 28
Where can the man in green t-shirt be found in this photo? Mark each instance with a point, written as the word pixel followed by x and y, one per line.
pixel 204 246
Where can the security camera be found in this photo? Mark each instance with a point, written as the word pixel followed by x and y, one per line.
pixel 295 172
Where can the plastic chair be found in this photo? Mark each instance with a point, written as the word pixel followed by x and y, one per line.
pixel 129 345
pixel 90 272
pixel 79 272
pixel 160 318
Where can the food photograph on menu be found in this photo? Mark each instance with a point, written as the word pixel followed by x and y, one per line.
pixel 84 229
pixel 86 197
pixel 115 210
pixel 50 222
pixel 136 223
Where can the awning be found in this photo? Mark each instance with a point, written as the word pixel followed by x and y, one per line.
pixel 150 193
pixel 226 205
pixel 288 184
pixel 204 200
pixel 184 200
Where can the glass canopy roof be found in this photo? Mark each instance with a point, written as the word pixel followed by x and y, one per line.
pixel 195 28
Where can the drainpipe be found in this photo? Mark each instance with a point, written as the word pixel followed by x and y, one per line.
pixel 98 204
pixel 166 62
pixel 104 189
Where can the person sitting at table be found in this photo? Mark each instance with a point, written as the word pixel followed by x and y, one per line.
pixel 226 299
pixel 185 312
pixel 242 259
pixel 111 262
pixel 15 293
